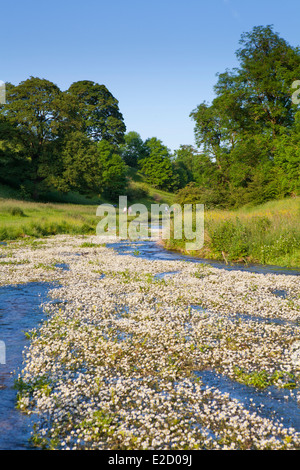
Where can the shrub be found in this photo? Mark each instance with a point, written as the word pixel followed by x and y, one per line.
pixel 17 211
pixel 231 238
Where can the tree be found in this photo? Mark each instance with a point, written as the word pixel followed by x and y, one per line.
pixel 212 136
pixel 133 149
pixel 196 166
pixel 89 168
pixel 99 111
pixel 33 114
pixel 268 67
pixel 48 138
pixel 77 167
pixel 194 194
pixel 286 170
pixel 242 127
pixel 113 168
pixel 158 167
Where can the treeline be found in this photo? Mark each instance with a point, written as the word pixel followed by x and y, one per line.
pixel 247 140
pixel 75 140
pixel 63 140
pixel 158 165
pixel 249 136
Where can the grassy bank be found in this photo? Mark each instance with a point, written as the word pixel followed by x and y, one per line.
pixel 22 219
pixel 64 214
pixel 266 234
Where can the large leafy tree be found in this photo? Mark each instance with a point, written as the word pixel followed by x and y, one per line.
pixel 89 168
pixel 77 168
pixel 48 138
pixel 243 126
pixel 13 163
pixel 99 111
pixel 32 108
pixel 257 96
pixel 134 149
pixel 33 115
pixel 158 167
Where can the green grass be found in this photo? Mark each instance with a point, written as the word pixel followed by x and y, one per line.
pixel 23 218
pixel 65 214
pixel 266 234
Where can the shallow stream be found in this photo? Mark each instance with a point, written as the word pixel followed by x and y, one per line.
pixel 20 311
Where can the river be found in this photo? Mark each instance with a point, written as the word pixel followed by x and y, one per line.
pixel 20 311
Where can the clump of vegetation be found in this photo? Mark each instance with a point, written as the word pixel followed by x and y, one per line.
pixel 267 234
pixel 17 211
pixel 91 245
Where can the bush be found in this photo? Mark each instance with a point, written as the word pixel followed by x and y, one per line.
pixel 135 193
pixel 193 194
pixel 231 238
pixel 17 211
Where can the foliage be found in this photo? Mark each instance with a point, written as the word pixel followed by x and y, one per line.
pixel 268 234
pixel 249 134
pixel 66 141
pixel 194 194
pixel 247 138
pixel 99 111
pixel 158 167
pixel 134 149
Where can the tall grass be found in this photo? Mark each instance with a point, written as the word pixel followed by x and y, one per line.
pixel 266 234
pixel 20 219
pixel 71 213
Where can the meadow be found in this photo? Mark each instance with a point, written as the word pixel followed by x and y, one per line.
pixel 266 234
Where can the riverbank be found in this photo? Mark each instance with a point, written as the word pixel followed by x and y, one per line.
pixel 266 234
pixel 122 360
pixel 70 213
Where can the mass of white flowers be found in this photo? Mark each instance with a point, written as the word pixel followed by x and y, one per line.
pixel 117 362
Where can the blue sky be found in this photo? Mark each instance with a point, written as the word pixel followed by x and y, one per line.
pixel 158 58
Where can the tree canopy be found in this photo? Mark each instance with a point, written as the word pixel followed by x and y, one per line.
pixel 244 131
pixel 157 166
pixel 55 139
pixel 99 111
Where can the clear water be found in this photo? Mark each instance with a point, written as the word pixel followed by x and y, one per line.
pixel 272 403
pixel 151 250
pixel 20 311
